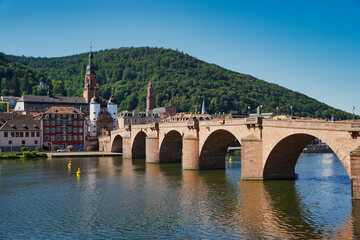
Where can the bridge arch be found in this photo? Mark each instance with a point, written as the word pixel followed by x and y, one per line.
pixel 213 151
pixel 171 148
pixel 281 161
pixel 117 144
pixel 138 149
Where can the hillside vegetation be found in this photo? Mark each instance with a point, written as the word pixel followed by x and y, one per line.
pixel 178 79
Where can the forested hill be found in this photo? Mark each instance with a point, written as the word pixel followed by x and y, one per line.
pixel 177 78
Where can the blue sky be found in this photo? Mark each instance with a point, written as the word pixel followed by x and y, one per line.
pixel 312 47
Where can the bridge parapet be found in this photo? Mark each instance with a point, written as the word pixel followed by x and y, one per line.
pixel 307 124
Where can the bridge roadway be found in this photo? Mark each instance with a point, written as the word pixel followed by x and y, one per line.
pixel 269 148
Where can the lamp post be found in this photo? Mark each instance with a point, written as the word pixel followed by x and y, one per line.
pixel 277 111
pixel 353 108
pixel 291 108
pixel 249 110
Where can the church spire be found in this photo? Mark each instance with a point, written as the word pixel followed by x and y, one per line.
pixel 90 69
pixel 90 85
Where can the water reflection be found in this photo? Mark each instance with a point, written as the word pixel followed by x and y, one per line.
pixel 125 198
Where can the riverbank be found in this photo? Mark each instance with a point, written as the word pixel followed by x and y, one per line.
pixel 83 154
pixel 24 155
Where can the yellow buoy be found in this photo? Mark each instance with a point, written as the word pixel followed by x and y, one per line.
pixel 78 172
pixel 230 159
pixel 69 165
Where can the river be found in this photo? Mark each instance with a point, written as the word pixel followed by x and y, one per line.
pixel 123 198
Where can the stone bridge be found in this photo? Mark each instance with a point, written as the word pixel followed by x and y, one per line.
pixel 269 148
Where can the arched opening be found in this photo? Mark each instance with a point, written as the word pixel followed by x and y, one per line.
pixel 282 159
pixel 171 148
pixel 117 144
pixel 138 147
pixel 212 155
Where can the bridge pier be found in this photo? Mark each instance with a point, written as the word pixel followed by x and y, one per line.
pixel 152 150
pixel 190 158
pixel 126 147
pixel 251 158
pixel 355 173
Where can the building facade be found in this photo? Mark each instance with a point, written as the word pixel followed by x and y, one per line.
pixel 63 126
pixel 18 131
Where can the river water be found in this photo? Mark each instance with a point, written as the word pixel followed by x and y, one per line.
pixel 122 198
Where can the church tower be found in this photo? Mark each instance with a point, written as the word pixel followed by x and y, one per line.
pixel 150 100
pixel 90 80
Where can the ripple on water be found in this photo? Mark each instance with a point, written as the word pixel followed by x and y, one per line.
pixel 117 198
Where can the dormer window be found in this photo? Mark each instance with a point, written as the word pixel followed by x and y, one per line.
pixel 75 116
pixel 47 116
pixel 53 116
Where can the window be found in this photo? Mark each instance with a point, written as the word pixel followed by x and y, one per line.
pixel 10 142
pixel 53 130
pixel 69 138
pixel 75 123
pixel 52 138
pixel 32 134
pixel 23 142
pixel 47 122
pixel 35 142
pixel 47 116
pixel 69 123
pixel 80 138
pixel 37 134
pixel 75 130
pixel 69 117
pixel 47 138
pixel 80 116
pixel 64 116
pixel 12 134
pixel 58 123
pixel 5 134
pixel 21 134
pixel 47 130
pixel 80 130
pixel 75 116
pixel 26 134
pixel 58 138
pixel 53 123
pixel 69 130
pixel 53 115
pixel 64 138
pixel 75 138
pixel 80 123
pixel 94 112
pixel 17 134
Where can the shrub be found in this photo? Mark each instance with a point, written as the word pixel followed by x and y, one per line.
pixel 23 148
pixel 55 147
pixel 38 148
pixel 9 156
pixel 33 154
pixel 90 148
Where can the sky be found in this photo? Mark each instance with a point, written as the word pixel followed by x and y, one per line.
pixel 308 46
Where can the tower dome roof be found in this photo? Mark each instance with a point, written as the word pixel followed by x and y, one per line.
pixel 112 100
pixel 94 99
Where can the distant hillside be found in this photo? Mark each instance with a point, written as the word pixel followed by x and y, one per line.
pixel 177 78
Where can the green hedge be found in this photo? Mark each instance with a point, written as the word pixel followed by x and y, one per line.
pixel 33 154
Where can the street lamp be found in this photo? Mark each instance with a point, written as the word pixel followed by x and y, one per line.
pixel 248 110
pixel 291 108
pixel 353 108
pixel 277 111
